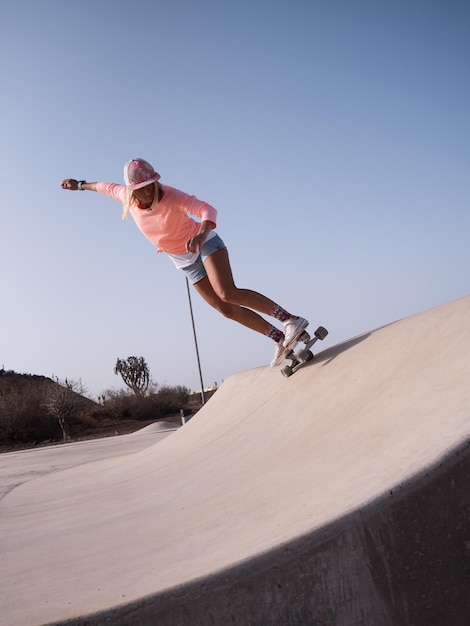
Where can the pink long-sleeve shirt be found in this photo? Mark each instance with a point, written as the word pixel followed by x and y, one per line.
pixel 169 226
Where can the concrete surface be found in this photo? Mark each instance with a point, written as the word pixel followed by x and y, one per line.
pixel 339 496
pixel 22 466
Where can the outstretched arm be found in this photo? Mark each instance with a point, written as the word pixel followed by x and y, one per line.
pixel 72 185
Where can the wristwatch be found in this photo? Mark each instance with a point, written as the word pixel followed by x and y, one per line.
pixel 79 185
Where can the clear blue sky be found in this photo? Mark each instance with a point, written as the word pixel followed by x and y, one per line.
pixel 332 137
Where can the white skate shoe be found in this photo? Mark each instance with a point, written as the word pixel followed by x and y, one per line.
pixel 278 352
pixel 293 328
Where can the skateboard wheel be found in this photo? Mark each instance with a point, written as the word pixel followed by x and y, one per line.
pixel 321 333
pixel 302 355
pixel 305 355
pixel 287 371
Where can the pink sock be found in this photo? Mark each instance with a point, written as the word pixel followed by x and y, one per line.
pixel 279 313
pixel 275 334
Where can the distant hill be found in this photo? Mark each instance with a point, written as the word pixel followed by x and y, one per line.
pixel 10 380
pixel 24 418
pixel 25 421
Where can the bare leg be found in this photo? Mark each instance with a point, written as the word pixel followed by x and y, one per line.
pixel 240 314
pixel 220 277
pixel 220 291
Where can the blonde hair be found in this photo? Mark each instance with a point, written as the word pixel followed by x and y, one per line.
pixel 131 200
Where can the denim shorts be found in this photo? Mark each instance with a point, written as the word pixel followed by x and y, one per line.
pixel 196 271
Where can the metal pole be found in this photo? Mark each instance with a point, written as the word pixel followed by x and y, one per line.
pixel 195 342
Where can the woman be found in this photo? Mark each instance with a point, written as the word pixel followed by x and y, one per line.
pixel 164 215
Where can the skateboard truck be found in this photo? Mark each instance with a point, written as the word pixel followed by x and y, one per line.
pixel 305 354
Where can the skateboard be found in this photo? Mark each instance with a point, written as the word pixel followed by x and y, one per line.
pixel 302 356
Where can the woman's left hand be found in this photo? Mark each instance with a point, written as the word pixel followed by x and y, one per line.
pixel 195 243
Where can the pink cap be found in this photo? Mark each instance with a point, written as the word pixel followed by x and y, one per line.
pixel 138 173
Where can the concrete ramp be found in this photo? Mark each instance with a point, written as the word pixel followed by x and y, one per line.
pixel 339 496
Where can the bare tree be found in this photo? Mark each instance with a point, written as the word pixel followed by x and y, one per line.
pixel 62 401
pixel 135 373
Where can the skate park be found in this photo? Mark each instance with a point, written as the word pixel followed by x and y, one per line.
pixel 338 496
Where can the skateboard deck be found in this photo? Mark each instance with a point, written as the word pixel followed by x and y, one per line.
pixel 297 359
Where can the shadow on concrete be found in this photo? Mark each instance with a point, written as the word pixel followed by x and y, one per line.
pixel 328 355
